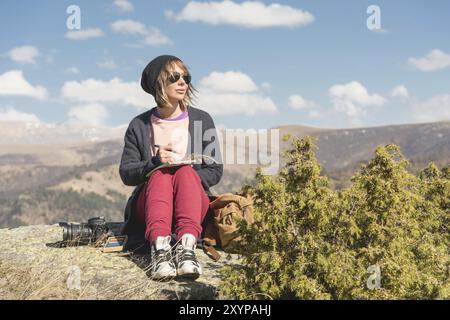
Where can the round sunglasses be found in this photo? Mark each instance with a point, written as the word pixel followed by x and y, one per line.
pixel 175 76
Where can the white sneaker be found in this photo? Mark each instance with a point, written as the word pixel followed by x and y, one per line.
pixel 187 264
pixel 163 266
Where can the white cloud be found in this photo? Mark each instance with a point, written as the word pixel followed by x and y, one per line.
pixel 24 54
pixel 400 92
pixel 353 99
pixel 380 31
pixel 434 60
pixel 13 83
pixel 229 93
pixel 12 115
pixel 155 38
pixel 436 108
pixel 266 86
pixel 230 81
pixel 148 35
pixel 107 64
pixel 311 108
pixel 123 5
pixel 72 70
pixel 297 102
pixel 84 34
pixel 129 27
pixel 230 104
pixel 91 114
pixel 169 14
pixel 315 114
pixel 114 91
pixel 250 14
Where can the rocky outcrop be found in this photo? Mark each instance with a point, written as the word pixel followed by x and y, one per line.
pixel 31 269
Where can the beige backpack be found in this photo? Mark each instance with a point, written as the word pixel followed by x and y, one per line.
pixel 223 231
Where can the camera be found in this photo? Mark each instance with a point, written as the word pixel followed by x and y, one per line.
pixel 96 229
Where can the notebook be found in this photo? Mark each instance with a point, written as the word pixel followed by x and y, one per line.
pixel 177 163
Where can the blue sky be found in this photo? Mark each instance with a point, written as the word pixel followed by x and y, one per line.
pixel 255 64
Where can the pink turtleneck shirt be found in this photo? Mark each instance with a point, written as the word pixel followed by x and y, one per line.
pixel 174 131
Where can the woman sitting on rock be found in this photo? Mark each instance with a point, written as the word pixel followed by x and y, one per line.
pixel 174 196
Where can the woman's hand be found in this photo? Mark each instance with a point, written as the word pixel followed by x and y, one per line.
pixel 165 153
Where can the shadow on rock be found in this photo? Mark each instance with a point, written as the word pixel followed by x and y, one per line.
pixel 191 290
pixel 179 288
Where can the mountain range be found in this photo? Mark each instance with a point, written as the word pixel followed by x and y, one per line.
pixel 51 173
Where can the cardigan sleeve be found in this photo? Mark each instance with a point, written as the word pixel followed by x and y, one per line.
pixel 211 173
pixel 132 167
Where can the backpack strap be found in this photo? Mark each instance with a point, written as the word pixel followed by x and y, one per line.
pixel 222 200
pixel 209 249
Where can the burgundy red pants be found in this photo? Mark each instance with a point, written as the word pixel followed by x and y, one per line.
pixel 172 193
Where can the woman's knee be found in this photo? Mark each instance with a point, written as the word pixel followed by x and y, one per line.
pixel 160 177
pixel 185 171
pixel 187 176
pixel 159 185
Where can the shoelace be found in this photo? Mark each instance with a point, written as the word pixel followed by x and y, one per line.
pixel 188 255
pixel 162 255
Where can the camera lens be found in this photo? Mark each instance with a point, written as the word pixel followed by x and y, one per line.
pixel 76 233
pixel 84 233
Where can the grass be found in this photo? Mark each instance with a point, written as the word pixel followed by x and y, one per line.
pixel 49 281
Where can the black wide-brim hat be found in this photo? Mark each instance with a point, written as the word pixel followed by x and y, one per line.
pixel 151 72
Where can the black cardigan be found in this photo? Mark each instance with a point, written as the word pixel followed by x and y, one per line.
pixel 137 161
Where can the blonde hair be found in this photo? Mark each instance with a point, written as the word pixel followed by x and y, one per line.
pixel 163 81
